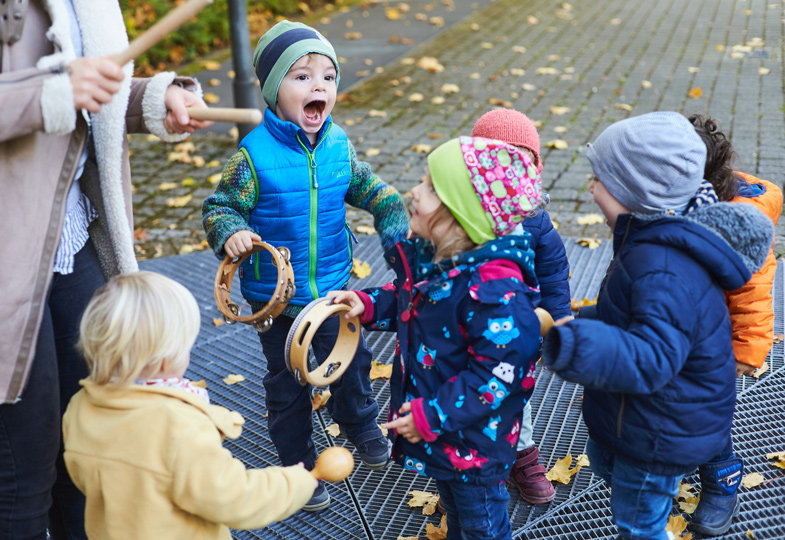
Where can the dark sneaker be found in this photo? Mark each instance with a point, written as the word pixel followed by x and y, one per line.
pixel 374 449
pixel 320 499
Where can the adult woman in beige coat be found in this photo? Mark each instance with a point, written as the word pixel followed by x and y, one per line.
pixel 65 108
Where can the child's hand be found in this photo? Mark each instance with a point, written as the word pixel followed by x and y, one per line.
pixel 241 243
pixel 404 424
pixel 744 369
pixel 351 299
pixel 564 320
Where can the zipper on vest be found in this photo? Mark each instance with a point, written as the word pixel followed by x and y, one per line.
pixel 314 207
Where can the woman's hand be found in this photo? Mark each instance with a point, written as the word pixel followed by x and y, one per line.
pixel 241 243
pixel 94 81
pixel 349 298
pixel 404 424
pixel 744 369
pixel 177 118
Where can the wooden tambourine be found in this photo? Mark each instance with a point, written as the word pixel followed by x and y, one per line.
pixel 298 343
pixel 262 320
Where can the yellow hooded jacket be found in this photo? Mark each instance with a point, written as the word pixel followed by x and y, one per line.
pixel 150 463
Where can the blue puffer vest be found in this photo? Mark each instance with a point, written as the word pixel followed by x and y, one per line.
pixel 300 206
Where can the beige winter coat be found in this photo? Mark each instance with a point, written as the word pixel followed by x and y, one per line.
pixel 150 463
pixel 41 139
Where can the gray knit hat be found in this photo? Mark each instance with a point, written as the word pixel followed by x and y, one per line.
pixel 279 48
pixel 650 163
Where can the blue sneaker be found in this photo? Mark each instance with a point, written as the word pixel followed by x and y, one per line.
pixel 319 500
pixel 374 449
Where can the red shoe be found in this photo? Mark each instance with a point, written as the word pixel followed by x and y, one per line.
pixel 528 477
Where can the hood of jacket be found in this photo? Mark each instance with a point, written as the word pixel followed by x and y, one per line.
pixel 730 240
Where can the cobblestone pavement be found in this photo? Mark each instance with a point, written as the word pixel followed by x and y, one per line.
pixel 575 68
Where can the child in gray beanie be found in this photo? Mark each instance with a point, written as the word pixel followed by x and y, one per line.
pixel 657 363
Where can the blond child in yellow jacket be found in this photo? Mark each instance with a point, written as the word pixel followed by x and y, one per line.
pixel 143 444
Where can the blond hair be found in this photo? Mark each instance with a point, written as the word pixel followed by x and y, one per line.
pixel 136 325
pixel 451 239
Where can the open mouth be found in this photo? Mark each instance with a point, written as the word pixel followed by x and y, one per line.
pixel 313 111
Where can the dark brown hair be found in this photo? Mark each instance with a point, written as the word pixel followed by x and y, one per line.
pixel 719 157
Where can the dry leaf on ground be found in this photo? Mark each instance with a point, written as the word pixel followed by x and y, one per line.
pixel 364 229
pixel 778 338
pixel 360 269
pixel 591 219
pixel 425 500
pixel 233 378
pixel 546 71
pixel 559 110
pixel 333 430
pixel 695 93
pixel 591 243
pixel 677 525
pixel 319 399
pixel 430 63
pixel 166 186
pixel 201 383
pixel 779 457
pixel 380 371
pixel 761 370
pixel 373 113
pixel 561 472
pixel 436 533
pixel 557 144
pixel 422 148
pixel 212 65
pixel 623 107
pixel 209 97
pixel 416 97
pixel 576 304
pixel 752 480
pixel 178 202
pixel 353 35
pixel 214 178
pixel 449 88
pixel 218 321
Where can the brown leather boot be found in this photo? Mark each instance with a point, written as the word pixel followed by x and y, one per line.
pixel 528 476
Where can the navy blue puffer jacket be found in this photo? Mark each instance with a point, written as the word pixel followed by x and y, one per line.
pixel 657 364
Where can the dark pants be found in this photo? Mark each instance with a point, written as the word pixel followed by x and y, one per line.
pixel 289 413
pixel 36 492
pixel 475 512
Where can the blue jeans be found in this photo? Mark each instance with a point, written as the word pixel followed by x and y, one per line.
pixel 289 412
pixel 36 492
pixel 640 501
pixel 475 512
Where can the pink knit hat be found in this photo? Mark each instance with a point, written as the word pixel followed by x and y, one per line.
pixel 512 127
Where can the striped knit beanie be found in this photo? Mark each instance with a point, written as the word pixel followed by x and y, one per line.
pixel 279 48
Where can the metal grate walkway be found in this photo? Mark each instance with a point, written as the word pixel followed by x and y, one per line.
pixel 372 505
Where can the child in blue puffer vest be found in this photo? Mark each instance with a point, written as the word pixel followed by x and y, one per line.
pixel 657 364
pixel 468 336
pixel 288 184
pixel 553 275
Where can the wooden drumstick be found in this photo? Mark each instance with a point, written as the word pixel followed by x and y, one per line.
pixel 166 25
pixel 226 114
pixel 334 464
pixel 546 321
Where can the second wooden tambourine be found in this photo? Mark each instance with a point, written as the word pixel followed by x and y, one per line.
pixel 298 343
pixel 262 320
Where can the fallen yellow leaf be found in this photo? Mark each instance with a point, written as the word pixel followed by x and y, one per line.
pixel 178 202
pixel 436 533
pixel 576 304
pixel 214 178
pixel 676 525
pixel 559 110
pixel 749 534
pixel 372 152
pixel 430 63
pixel 436 21
pixel 217 321
pixel 212 163
pixel 425 500
pixel 373 113
pixel 360 269
pixel 233 378
pixel 449 88
pixel 422 148
pixel 383 430
pixel 546 71
pixel 364 229
pixel 646 84
pixel 188 182
pixel 531 19
pixel 623 107
pixel 415 97
pixel 558 144
pixel 209 97
pixel 166 186
pixel 761 370
pixel 561 472
pixel 211 65
pixel 778 338
pixel 214 82
pixel 392 13
pixel 199 384
pixel 763 71
pixel 693 69
pixel 197 161
pixel 591 219
pixel 752 480
pixel 319 399
pixel 380 371
pixel 353 35
pixel 695 93
pixel 591 243
pixel 333 430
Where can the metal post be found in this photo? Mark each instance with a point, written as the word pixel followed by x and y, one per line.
pixel 243 87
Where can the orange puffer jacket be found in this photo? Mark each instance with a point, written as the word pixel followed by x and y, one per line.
pixel 751 307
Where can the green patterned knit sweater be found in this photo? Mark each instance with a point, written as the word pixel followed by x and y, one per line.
pixel 228 210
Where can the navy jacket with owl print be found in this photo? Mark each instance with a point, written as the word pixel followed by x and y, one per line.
pixel 467 346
